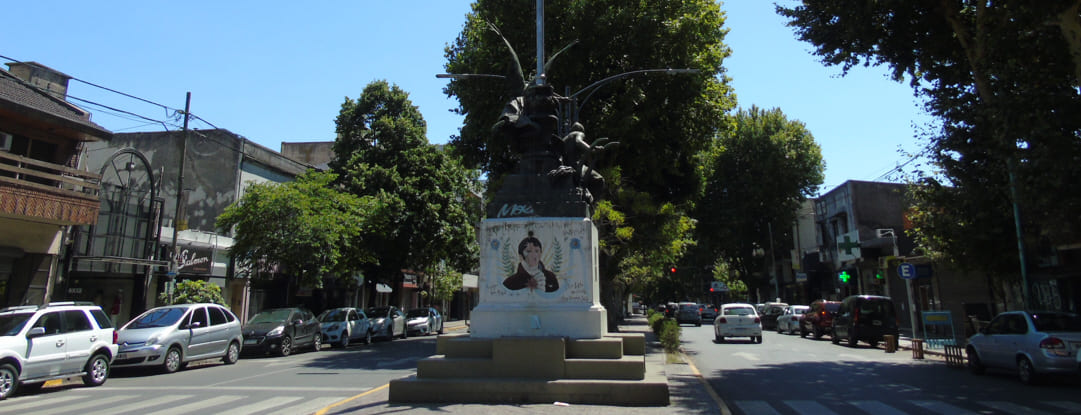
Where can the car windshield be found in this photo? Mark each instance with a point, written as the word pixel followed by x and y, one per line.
pixel 334 315
pixel 378 312
pixel 11 324
pixel 271 316
pixel 688 307
pixel 832 307
pixel 799 310
pixel 1056 322
pixel 877 309
pixel 739 311
pixel 418 312
pixel 161 317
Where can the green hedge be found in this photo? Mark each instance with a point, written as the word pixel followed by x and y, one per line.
pixel 666 329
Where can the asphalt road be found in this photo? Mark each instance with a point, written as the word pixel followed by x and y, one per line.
pixel 787 374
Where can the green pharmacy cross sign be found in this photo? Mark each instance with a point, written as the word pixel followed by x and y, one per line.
pixel 843 276
pixel 848 245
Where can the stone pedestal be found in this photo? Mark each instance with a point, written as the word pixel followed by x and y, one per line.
pixel 569 308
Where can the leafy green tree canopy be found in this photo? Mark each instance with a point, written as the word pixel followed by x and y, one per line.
pixel 307 226
pixel 192 292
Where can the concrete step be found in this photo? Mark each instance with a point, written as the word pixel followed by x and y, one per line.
pixel 647 392
pixel 603 348
pixel 624 368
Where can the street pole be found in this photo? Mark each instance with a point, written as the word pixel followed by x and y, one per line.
pixel 540 42
pixel 773 264
pixel 174 265
pixel 908 285
pixel 1026 299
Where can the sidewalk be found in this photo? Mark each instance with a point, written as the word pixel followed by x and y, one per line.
pixel 688 393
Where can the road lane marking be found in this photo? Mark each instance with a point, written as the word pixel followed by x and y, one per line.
pixel 336 404
pixel 260 407
pixel 32 402
pixel 197 406
pixel 877 408
pixel 756 407
pixel 942 408
pixel 161 401
pixel 306 407
pixel 96 402
pixel 1012 408
pixel 809 407
pixel 1071 407
pixel 747 356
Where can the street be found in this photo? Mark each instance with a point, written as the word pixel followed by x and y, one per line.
pixel 787 374
pixel 302 383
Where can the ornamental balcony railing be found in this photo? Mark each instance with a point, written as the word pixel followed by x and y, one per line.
pixel 47 192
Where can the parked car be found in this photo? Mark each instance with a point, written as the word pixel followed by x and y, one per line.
pixel 387 322
pixel 769 314
pixel 738 320
pixel 788 322
pixel 1033 343
pixel 709 311
pixel 818 320
pixel 424 321
pixel 340 326
pixel 170 337
pixel 54 341
pixel 689 313
pixel 281 331
pixel 866 318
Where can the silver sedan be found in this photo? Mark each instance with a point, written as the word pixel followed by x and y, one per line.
pixel 1032 343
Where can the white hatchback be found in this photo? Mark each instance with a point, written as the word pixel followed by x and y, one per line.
pixel 788 322
pixel 738 320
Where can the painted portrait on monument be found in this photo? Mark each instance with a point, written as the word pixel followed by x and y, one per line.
pixel 531 272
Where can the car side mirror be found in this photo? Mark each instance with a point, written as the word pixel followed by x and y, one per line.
pixel 195 325
pixel 35 332
pixel 298 322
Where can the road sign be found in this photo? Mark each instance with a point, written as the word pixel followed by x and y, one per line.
pixel 907 271
pixel 848 246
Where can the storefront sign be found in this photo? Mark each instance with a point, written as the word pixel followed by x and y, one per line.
pixel 194 260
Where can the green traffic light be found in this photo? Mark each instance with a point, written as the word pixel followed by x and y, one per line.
pixel 844 276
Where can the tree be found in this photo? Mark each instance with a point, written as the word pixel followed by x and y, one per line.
pixel 661 121
pixel 757 175
pixel 307 227
pixel 1003 80
pixel 382 152
pixel 193 291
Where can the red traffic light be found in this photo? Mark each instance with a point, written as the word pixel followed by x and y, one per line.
pixel 672 270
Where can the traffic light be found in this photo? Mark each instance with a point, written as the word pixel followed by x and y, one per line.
pixel 672 269
pixel 843 276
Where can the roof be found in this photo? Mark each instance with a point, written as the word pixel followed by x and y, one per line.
pixel 20 97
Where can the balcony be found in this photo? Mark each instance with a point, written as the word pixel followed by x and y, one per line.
pixel 43 192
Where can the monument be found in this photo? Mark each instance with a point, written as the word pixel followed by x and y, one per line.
pixel 539 332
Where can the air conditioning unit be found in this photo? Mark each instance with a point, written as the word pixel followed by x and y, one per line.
pixel 5 141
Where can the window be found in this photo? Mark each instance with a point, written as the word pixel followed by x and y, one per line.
pixel 51 323
pixel 198 315
pixel 217 316
pixel 101 318
pixel 75 321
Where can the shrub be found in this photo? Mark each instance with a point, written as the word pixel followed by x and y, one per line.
pixel 669 335
pixel 193 291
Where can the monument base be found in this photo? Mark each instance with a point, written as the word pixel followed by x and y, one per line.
pixel 509 320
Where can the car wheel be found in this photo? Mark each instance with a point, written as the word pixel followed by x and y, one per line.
pixel 853 338
pixel 232 354
pixel 172 360
pixel 720 339
pixel 9 378
pixel 1026 372
pixel 390 333
pixel 974 364
pixel 758 339
pixel 440 327
pixel 345 340
pixel 698 324
pixel 97 370
pixel 405 333
pixel 802 332
pixel 817 333
pixel 286 347
pixel 873 343
pixel 367 337
pixel 317 343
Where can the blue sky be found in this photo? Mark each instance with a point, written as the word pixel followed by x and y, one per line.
pixel 279 71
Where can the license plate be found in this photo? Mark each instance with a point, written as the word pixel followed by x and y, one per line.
pixel 250 341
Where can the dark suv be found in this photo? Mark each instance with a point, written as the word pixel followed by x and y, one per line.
pixel 864 318
pixel 818 320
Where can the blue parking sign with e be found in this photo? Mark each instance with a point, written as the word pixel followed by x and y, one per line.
pixel 907 271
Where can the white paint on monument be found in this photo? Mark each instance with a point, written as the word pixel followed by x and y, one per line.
pixel 539 277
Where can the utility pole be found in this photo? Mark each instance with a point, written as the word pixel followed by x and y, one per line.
pixel 174 265
pixel 540 42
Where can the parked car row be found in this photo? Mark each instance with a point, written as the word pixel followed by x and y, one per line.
pixel 170 337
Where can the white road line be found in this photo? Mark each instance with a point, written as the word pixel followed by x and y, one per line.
pixel 1012 408
pixel 942 408
pixel 260 407
pixel 84 404
pixel 747 356
pixel 877 408
pixel 1068 406
pixel 198 406
pixel 756 407
pixel 32 402
pixel 152 403
pixel 308 406
pixel 809 408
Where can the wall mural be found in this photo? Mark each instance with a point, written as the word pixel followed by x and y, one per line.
pixel 540 261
